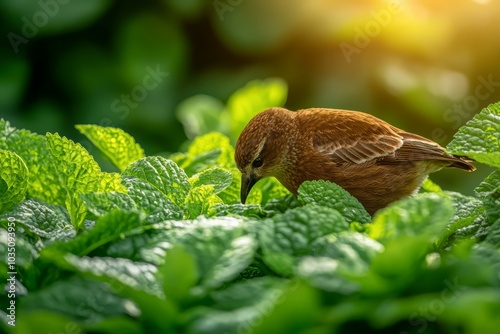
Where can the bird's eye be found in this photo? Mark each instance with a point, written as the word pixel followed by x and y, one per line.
pixel 257 162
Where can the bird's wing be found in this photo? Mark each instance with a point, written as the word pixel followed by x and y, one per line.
pixel 355 138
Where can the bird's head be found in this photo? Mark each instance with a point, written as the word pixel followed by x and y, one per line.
pixel 263 146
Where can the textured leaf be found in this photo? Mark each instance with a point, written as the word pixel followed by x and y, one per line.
pixel 13 180
pixel 100 204
pixel 141 196
pixel 219 178
pixel 489 192
pixel 137 275
pixel 95 300
pixel 253 98
pixel 107 229
pixel 336 257
pixel 489 186
pixel 239 307
pixel 468 211
pixel 291 234
pixel 265 190
pixel 162 174
pixel 479 138
pixel 323 273
pixel 200 200
pixel 32 149
pixel 231 195
pixel 331 195
pixel 232 261
pixel 210 142
pixel 151 201
pixel 25 252
pixel 120 148
pixel 424 215
pixel 77 173
pixel 215 244
pixel 294 231
pixel 245 210
pixel 493 237
pixel 192 165
pixel 43 223
pixel 353 250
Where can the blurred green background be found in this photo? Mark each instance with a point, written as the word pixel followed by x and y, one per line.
pixel 425 66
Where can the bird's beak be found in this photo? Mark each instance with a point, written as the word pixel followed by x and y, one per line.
pixel 247 182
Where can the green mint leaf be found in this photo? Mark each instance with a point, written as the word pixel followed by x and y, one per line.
pixel 216 243
pixel 281 205
pixel 424 215
pixel 141 197
pixel 265 190
pixel 219 178
pixel 99 204
pixel 489 192
pixel 245 210
pixel 430 187
pixel 192 165
pixel 13 179
pixel 32 148
pixel 353 250
pixel 291 234
pixel 231 195
pixel 164 175
pixel 212 142
pixel 253 98
pixel 331 195
pixel 26 252
pixel 232 261
pixel 42 222
pixel 117 145
pixel 107 229
pixel 151 201
pixel 240 306
pixel 468 211
pixel 136 275
pixel 479 138
pixel 200 200
pixel 95 300
pixel 493 237
pixel 77 173
pixel 294 231
pixel 324 273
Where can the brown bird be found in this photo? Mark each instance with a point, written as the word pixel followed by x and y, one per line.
pixel 374 161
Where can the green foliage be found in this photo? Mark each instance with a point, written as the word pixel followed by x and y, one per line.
pixel 116 144
pixel 479 139
pixel 333 196
pixel 13 179
pixel 165 246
